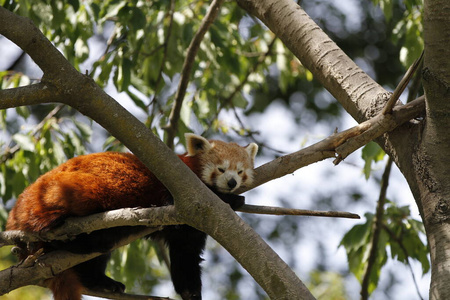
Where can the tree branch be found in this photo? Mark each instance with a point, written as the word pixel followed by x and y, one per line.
pixel 377 226
pixel 35 44
pixel 154 216
pixel 28 95
pixel 402 85
pixel 271 210
pixel 359 94
pixel 405 252
pixel 191 197
pixel 338 145
pixel 172 127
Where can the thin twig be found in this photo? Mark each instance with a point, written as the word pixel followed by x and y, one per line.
pixel 271 210
pixel 165 46
pixel 377 225
pixel 250 71
pixel 172 126
pixel 240 86
pixel 401 86
pixel 414 88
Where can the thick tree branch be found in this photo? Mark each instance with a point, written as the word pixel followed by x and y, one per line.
pixel 28 95
pixel 359 94
pixel 338 145
pixel 191 197
pixel 432 170
pixel 154 216
pixel 27 36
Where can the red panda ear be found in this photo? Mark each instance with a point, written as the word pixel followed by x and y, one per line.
pixel 196 144
pixel 252 149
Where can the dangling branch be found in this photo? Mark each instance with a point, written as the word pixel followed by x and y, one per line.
pixel 377 226
pixel 172 127
pixel 405 252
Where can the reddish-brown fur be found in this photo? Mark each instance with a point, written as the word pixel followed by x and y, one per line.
pixel 89 184
pixel 85 185
pixel 104 181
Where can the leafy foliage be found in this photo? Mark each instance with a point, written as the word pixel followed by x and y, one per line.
pixel 407 28
pixel 400 234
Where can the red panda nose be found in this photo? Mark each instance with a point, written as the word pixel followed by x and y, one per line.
pixel 232 183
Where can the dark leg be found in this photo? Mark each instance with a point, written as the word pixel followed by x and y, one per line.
pixel 92 275
pixel 186 245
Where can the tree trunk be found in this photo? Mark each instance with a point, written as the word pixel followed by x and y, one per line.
pixel 435 145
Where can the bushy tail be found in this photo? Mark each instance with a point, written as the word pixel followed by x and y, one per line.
pixel 65 286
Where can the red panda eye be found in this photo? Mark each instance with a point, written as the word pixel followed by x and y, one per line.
pixel 221 170
pixel 240 172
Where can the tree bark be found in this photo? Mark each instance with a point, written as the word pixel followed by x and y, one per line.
pixel 435 145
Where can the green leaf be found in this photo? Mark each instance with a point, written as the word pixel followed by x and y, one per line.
pixel 138 101
pixel 240 101
pixel 371 153
pixel 357 236
pixel 23 111
pixel 123 75
pixel 138 19
pixel 25 142
pixel 84 129
pixel 75 4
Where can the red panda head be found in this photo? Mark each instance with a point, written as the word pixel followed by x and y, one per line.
pixel 224 166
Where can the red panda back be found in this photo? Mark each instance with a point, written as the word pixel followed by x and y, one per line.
pixel 85 185
pixel 82 186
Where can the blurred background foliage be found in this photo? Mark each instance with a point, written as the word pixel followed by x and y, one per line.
pixel 135 50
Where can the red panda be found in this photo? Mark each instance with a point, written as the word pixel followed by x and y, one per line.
pixel 104 181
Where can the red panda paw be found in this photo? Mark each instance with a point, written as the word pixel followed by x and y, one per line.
pixel 235 201
pixel 186 295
